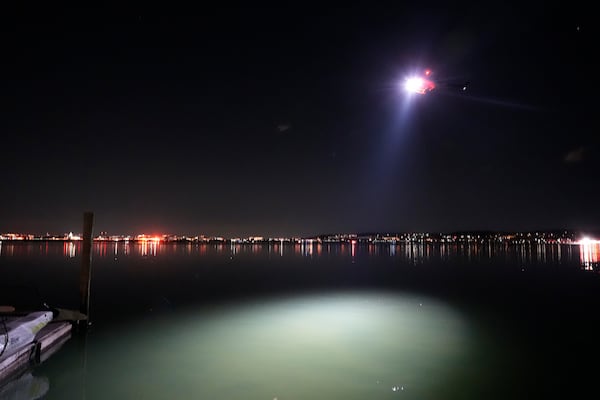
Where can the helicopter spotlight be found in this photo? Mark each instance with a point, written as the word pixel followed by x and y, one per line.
pixel 423 84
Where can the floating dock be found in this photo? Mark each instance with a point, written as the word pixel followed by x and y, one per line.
pixel 46 342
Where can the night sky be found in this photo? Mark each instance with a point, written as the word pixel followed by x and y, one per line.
pixel 293 121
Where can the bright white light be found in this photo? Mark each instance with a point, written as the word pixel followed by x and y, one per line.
pixel 414 85
pixel 417 84
pixel 586 241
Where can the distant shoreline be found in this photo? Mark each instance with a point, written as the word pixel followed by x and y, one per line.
pixel 488 240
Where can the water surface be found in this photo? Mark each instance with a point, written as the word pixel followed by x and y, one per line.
pixel 325 321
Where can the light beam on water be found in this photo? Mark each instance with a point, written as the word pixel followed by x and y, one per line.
pixel 351 346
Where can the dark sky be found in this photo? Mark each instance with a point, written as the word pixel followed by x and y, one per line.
pixel 292 121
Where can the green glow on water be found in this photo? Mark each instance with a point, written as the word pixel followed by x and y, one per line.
pixel 345 346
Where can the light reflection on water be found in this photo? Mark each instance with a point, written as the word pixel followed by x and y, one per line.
pixel 590 255
pixel 171 341
pixel 25 387
pixel 587 255
pixel 350 346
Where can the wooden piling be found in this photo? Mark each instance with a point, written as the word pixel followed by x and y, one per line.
pixel 85 275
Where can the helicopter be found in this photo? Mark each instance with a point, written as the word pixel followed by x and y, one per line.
pixel 423 84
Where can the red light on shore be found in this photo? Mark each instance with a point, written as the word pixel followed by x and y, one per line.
pixel 149 238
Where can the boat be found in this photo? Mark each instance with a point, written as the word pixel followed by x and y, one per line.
pixel 17 331
pixel 29 337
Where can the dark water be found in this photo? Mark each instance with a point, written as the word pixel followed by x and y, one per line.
pixel 315 321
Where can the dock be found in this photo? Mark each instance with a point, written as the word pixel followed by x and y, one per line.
pixel 47 341
pixel 50 338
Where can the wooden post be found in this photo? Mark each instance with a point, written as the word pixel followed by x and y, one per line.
pixel 85 276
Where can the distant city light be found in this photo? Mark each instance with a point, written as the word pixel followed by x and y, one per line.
pixel 144 238
pixel 538 237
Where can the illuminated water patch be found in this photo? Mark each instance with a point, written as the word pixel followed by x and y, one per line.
pixel 350 346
